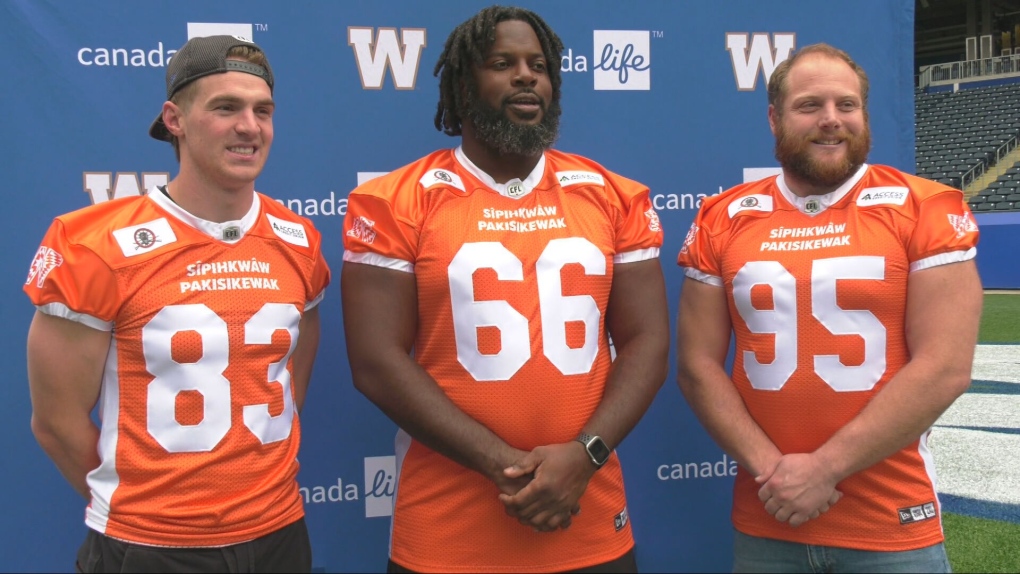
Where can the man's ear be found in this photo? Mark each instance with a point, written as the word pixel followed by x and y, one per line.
pixel 172 114
pixel 773 118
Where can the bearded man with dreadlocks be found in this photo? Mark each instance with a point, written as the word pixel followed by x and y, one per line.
pixel 505 266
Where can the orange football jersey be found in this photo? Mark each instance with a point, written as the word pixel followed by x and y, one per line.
pixel 817 289
pixel 513 282
pixel 199 431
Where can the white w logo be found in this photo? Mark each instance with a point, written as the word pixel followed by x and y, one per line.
pixel 372 57
pixel 102 186
pixel 762 54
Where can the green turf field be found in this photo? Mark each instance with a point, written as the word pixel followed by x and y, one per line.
pixel 1000 319
pixel 979 545
pixel 976 544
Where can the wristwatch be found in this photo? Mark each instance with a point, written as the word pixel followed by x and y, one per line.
pixel 597 449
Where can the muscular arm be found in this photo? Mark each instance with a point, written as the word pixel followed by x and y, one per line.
pixel 304 354
pixel 942 318
pixel 380 319
pixel 637 319
pixel 703 338
pixel 65 372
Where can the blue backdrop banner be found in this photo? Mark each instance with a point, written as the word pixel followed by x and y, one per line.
pixel 669 93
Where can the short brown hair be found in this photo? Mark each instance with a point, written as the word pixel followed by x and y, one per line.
pixel 777 82
pixel 186 95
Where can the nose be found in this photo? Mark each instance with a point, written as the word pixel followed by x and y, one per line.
pixel 830 116
pixel 247 123
pixel 524 75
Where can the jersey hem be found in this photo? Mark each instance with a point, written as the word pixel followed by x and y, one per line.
pixel 570 565
pixel 851 544
pixel 203 540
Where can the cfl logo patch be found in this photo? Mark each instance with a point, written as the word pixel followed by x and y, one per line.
pixel 46 260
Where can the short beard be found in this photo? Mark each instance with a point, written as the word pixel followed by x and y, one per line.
pixel 793 155
pixel 494 128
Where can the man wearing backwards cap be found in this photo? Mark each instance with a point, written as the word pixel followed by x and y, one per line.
pixel 189 315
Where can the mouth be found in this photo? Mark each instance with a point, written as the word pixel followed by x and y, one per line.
pixel 525 103
pixel 242 150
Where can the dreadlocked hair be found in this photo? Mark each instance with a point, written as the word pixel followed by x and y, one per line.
pixel 466 48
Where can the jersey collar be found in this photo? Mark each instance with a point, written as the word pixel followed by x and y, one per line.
pixel 814 204
pixel 515 188
pixel 227 232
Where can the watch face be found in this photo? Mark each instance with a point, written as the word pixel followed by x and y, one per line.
pixel 598 450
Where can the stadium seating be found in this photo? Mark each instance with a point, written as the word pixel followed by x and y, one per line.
pixel 960 135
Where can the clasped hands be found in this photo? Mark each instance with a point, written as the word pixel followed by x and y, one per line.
pixel 542 488
pixel 797 489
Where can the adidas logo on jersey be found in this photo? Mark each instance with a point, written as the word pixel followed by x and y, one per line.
pixel 289 231
pixel 882 195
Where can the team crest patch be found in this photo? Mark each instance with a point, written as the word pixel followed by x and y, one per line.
pixel 441 176
pixel 917 513
pixel 750 203
pixel 362 229
pixel 289 231
pixel 653 220
pixel 46 260
pixel 963 224
pixel 882 195
pixel 692 234
pixel 145 237
pixel 566 178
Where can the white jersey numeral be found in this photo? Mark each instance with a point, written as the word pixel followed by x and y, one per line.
pixel 206 376
pixel 556 308
pixel 781 321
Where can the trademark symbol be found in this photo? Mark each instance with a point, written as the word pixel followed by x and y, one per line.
pixel 262 27
pixel 658 34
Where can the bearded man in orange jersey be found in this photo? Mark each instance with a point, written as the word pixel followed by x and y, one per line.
pixel 190 315
pixel 505 265
pixel 838 279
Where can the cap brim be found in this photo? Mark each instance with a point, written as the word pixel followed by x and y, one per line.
pixel 158 129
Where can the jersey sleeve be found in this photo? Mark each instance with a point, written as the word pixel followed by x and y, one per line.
pixel 639 231
pixel 69 280
pixel 320 277
pixel 698 255
pixel 376 233
pixel 945 232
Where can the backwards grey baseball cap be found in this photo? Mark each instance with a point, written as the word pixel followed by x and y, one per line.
pixel 200 57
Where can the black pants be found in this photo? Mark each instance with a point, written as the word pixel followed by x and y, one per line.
pixel 286 550
pixel 624 564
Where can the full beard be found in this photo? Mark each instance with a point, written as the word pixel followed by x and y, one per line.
pixel 794 155
pixel 494 128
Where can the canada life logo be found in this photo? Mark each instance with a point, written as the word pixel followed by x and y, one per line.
pixel 157 55
pixel 380 485
pixel 623 60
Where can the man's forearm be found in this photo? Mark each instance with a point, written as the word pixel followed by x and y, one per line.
pixel 717 404
pixel 73 448
pixel 908 406
pixel 634 379
pixel 416 403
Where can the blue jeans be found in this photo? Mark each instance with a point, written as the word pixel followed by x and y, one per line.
pixel 754 554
